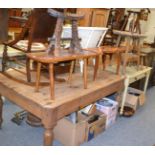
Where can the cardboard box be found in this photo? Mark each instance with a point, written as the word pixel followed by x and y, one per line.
pixel 110 108
pixel 69 133
pixel 86 129
pixel 135 97
pixel 110 121
pixel 94 128
pixel 89 110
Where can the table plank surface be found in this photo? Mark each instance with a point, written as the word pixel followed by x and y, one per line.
pixel 68 99
pixel 64 93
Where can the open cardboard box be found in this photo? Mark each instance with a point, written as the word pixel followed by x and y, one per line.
pixel 94 128
pixel 69 133
pixel 135 97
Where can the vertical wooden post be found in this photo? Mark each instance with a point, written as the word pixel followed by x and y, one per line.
pixel 71 72
pixel 28 72
pixel 38 76
pixel 118 62
pixel 138 52
pixel 51 75
pixel 49 121
pixel 124 95
pixel 104 61
pixel 96 67
pixel 85 73
pixel 48 136
pixel 146 81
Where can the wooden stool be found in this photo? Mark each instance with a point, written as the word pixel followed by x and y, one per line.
pixel 109 50
pixel 75 42
pixel 54 54
pixel 50 60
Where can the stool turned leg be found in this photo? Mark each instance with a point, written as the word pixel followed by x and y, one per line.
pixel 85 73
pixel 71 72
pixel 96 67
pixel 28 72
pixel 1 110
pixel 38 76
pixel 51 74
pixel 104 61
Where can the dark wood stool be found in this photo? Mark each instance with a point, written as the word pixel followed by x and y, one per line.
pixel 75 42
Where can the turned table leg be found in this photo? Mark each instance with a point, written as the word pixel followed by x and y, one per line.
pixel 124 95
pixel 146 81
pixel 1 110
pixel 48 136
pixel 49 121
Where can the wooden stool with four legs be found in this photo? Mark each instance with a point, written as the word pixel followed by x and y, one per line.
pixel 110 50
pixel 54 53
pixel 47 58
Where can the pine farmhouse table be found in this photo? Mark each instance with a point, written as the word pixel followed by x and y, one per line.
pixel 67 99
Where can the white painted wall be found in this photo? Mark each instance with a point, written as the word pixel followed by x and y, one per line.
pixel 150 26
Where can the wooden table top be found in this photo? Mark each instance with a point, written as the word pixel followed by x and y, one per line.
pixel 67 98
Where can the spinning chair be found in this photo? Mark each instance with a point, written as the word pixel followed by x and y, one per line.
pixel 33 38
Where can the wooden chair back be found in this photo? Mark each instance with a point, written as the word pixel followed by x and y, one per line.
pixel 42 25
pixel 38 28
